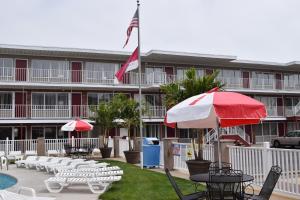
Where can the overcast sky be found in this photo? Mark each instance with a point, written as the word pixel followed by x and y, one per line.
pixel 266 30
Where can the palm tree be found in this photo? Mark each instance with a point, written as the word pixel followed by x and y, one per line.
pixel 128 110
pixel 190 86
pixel 105 116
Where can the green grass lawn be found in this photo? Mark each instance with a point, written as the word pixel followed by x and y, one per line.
pixel 137 184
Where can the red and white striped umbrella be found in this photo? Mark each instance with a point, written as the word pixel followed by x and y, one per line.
pixel 77 125
pixel 216 108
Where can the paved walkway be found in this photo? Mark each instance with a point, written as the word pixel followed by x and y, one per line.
pixel 35 179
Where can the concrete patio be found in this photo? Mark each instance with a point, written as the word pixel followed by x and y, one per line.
pixel 35 180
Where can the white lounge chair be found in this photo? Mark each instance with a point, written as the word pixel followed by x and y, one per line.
pixel 61 161
pixel 73 165
pixel 97 185
pixel 6 195
pixel 95 165
pixel 52 153
pixel 50 167
pixel 32 164
pixel 42 165
pixel 30 153
pixel 92 169
pixel 4 163
pixel 15 155
pixel 22 163
pixel 2 153
pixel 89 174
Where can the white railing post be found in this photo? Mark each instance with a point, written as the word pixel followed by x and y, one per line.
pixel 73 141
pixel 267 159
pixel 6 146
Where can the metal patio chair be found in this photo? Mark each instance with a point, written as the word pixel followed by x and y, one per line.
pixel 224 184
pixel 268 186
pixel 193 196
pixel 224 166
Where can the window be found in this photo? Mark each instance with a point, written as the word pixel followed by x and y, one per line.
pixel 6 67
pixel 230 77
pixel 152 99
pixel 291 81
pixel 263 80
pixel 37 132
pixel 152 130
pixel 61 134
pixel 92 99
pixel 5 132
pixel 155 75
pixel 257 129
pixel 270 103
pixel 49 69
pixel 182 71
pixel 291 134
pixel 273 129
pixel 50 132
pixel 95 98
pixel 5 98
pixel 100 71
pixel 50 99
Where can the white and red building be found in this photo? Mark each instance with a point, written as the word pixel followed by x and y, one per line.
pixel 42 88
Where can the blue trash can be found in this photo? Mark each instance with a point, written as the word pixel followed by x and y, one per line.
pixel 151 152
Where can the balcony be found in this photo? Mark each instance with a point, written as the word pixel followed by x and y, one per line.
pixel 81 77
pixel 63 111
pixel 154 79
pixel 292 111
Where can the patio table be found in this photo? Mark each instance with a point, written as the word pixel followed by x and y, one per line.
pixel 223 178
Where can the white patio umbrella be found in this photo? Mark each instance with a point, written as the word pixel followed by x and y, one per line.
pixel 77 125
pixel 216 109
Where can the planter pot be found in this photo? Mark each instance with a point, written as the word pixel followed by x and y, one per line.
pixel 198 166
pixel 132 157
pixel 105 152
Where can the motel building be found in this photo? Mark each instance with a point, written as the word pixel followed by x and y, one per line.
pixel 42 88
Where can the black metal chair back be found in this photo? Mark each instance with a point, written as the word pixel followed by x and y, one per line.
pixel 174 184
pixel 68 149
pixel 225 184
pixel 270 182
pixel 214 166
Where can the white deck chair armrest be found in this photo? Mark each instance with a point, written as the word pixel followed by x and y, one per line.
pixel 27 189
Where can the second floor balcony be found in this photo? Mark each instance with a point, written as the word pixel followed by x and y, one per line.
pixel 63 111
pixel 88 77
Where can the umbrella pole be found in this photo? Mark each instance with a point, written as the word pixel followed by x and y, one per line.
pixel 219 146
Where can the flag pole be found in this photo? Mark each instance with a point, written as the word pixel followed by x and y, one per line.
pixel 140 83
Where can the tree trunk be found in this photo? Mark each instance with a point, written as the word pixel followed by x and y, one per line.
pixel 105 140
pixel 194 148
pixel 200 145
pixel 129 139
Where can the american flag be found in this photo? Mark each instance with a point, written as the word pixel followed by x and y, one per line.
pixel 134 23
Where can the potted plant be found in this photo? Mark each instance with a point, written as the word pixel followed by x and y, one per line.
pixel 128 110
pixel 179 91
pixel 105 115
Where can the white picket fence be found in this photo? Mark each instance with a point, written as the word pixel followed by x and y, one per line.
pixel 18 145
pixel 257 161
pixel 183 152
pixel 50 144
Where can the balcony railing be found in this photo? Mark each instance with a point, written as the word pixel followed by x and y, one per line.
pixel 62 111
pixel 81 77
pixel 85 111
pixel 88 77
pixel 291 111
